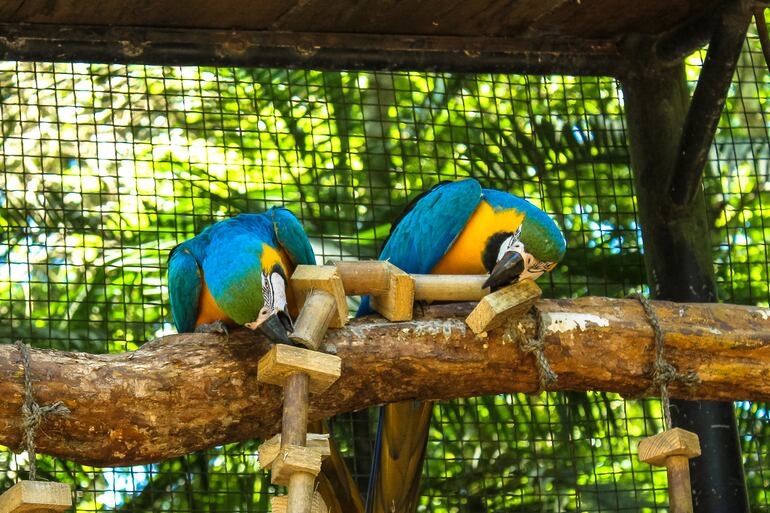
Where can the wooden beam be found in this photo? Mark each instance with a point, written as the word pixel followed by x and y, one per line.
pixel 186 392
pixel 708 99
pixel 321 50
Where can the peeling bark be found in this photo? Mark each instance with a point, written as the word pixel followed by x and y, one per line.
pixel 187 392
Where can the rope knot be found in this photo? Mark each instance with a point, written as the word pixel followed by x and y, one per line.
pixel 536 347
pixel 663 373
pixel 32 413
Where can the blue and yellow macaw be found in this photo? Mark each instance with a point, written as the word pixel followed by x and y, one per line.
pixel 235 272
pixel 455 228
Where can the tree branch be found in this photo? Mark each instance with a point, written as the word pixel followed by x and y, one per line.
pixel 186 392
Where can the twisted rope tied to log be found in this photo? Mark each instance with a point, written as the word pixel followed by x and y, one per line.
pixel 534 346
pixel 663 373
pixel 32 413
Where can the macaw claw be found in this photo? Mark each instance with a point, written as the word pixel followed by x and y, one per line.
pixel 218 327
pixel 274 324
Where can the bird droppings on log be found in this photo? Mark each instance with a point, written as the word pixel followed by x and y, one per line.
pixel 564 322
pixel 184 393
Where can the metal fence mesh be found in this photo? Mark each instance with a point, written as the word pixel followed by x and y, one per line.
pixel 106 168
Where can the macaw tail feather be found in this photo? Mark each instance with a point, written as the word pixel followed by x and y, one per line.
pixel 335 482
pixel 402 435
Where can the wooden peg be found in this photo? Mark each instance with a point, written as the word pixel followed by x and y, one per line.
pixel 299 371
pixel 321 277
pixel 673 449
pixel 371 277
pixel 270 449
pixel 449 287
pixel 280 504
pixel 36 497
pixel 314 319
pixel 397 303
pixel 283 361
pixel 292 459
pixel 391 290
pixel 495 308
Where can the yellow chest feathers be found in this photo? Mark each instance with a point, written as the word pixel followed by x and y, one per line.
pixel 465 255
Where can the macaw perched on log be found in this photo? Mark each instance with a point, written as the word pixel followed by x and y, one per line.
pixel 235 272
pixel 455 228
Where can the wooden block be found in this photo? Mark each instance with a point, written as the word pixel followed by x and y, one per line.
pixel 674 442
pixel 282 361
pixel 449 287
pixel 291 459
pixel 509 302
pixel 364 278
pixel 280 504
pixel 269 449
pixel 321 277
pixel 313 321
pixel 36 496
pixel 397 303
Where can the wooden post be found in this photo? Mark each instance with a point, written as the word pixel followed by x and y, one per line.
pixel 495 308
pixel 307 278
pixel 299 371
pixel 314 319
pixel 393 291
pixel 280 504
pixel 449 287
pixel 673 449
pixel 36 497
pixel 370 277
pixel 397 303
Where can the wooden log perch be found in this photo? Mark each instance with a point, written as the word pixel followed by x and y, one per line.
pixel 187 392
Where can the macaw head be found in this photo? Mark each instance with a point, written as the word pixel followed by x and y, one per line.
pixel 273 319
pixel 527 252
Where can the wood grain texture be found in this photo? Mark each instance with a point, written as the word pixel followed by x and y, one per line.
pixel 449 287
pixel 295 458
pixel 656 449
pixel 510 302
pixel 317 313
pixel 280 504
pixel 679 486
pixel 283 361
pixel 270 449
pixel 364 277
pixel 307 278
pixel 186 392
pixel 36 496
pixel 397 303
pixel 588 18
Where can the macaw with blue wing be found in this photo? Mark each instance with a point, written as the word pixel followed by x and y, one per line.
pixel 455 228
pixel 235 272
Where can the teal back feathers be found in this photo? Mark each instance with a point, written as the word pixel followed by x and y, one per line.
pixel 230 256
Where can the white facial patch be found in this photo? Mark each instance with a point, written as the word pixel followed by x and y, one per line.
pixel 274 291
pixel 533 268
pixel 512 243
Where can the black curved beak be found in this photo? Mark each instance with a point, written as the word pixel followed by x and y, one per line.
pixel 275 325
pixel 506 271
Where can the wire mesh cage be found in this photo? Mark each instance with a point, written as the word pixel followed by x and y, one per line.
pixel 106 168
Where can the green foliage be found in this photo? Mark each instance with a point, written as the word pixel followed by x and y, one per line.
pixel 106 168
